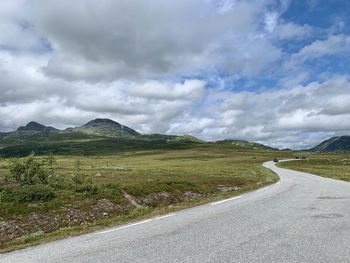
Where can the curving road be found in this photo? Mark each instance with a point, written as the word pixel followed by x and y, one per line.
pixel 302 218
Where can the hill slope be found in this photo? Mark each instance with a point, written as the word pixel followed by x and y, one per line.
pixel 35 127
pixel 97 137
pixel 104 128
pixel 334 144
pixel 246 144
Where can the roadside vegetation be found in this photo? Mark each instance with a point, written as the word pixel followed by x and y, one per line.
pixel 48 197
pixel 332 165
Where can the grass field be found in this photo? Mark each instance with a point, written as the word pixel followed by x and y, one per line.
pixel 131 185
pixel 332 165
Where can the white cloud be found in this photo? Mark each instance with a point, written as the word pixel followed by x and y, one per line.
pixel 335 44
pixel 270 116
pixel 142 63
pixel 271 21
pixel 292 31
pixel 146 39
pixel 146 105
pixel 280 117
pixel 189 90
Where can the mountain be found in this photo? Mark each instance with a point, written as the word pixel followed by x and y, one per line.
pixel 104 128
pixel 2 135
pixel 246 144
pixel 172 138
pixel 35 127
pixel 334 144
pixel 99 136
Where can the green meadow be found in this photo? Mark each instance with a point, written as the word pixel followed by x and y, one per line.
pixel 85 193
pixel 332 165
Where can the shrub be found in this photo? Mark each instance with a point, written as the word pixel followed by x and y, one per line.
pixel 111 192
pixel 77 177
pixel 50 161
pixel 59 183
pixel 28 171
pixel 28 193
pixel 87 189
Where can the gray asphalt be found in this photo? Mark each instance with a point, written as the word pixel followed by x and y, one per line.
pixel 302 218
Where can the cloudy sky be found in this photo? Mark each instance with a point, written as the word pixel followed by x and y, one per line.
pixel 273 71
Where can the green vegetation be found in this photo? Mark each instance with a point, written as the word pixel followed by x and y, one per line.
pixel 336 166
pixel 29 170
pixel 97 137
pixel 27 193
pixel 81 193
pixel 78 144
pixel 104 173
pixel 105 128
pixel 246 144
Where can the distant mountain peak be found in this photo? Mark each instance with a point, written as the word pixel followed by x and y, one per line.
pixel 105 128
pixel 32 126
pixel 101 121
pixel 35 126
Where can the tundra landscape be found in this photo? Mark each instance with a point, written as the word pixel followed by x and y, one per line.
pixel 174 131
pixel 122 176
pixel 103 173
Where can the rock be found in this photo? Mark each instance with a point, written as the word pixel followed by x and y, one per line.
pixel 189 195
pixel 227 188
pixel 159 198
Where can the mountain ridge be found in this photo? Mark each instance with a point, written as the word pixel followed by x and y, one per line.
pixel 334 144
pixel 35 126
pixel 246 144
pixel 98 136
pixel 104 127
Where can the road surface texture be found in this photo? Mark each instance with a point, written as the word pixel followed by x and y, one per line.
pixel 302 218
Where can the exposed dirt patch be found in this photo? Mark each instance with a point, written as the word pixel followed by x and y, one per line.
pixel 168 198
pixel 131 199
pixel 227 188
pixel 161 198
pixel 189 195
pixel 48 222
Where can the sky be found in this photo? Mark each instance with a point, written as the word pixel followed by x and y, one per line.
pixel 273 71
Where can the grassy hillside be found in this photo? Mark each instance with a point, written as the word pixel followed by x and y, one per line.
pixel 159 181
pixel 336 166
pixel 64 143
pixel 105 128
pixel 246 144
pixel 100 146
pixel 334 144
pixel 97 137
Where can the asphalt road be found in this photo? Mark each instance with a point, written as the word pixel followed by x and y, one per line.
pixel 302 218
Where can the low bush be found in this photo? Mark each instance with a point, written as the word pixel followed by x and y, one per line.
pixel 28 193
pixel 58 182
pixel 87 189
pixel 113 192
pixel 28 171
